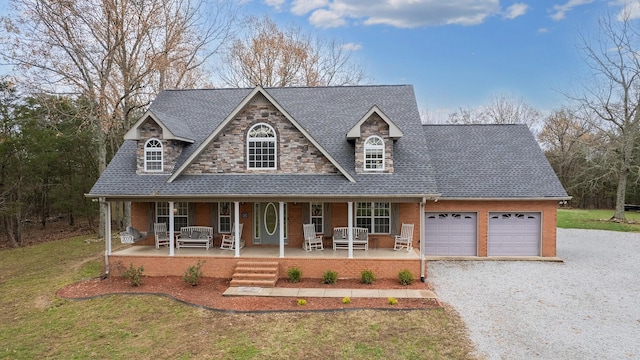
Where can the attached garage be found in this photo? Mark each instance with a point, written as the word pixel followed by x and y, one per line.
pixel 451 234
pixel 514 234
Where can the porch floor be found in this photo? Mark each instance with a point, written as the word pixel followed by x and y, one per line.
pixel 271 252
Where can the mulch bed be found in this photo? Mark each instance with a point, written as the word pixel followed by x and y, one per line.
pixel 208 294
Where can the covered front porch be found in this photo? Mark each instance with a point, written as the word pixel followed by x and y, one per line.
pixel 272 230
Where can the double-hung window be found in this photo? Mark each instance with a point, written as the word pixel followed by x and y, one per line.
pixel 224 217
pixel 153 155
pixel 180 214
pixel 375 216
pixel 317 212
pixel 374 153
pixel 261 147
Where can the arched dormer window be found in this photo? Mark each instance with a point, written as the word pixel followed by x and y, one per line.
pixel 153 155
pixel 374 153
pixel 261 147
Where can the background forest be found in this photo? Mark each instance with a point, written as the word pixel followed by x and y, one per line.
pixel 83 72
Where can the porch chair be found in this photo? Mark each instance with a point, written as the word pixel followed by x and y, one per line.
pixel 405 239
pixel 229 240
pixel 311 240
pixel 162 237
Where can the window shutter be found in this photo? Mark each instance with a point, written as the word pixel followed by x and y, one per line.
pixel 394 227
pixel 306 213
pixel 151 216
pixel 191 217
pixel 213 216
pixel 326 220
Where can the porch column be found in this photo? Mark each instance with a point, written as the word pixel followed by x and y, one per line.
pixel 236 231
pixel 281 225
pixel 422 242
pixel 107 233
pixel 171 229
pixel 350 230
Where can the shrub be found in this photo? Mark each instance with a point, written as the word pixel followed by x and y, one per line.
pixel 134 275
pixel 346 300
pixel 367 277
pixel 302 302
pixel 294 274
pixel 193 274
pixel 392 301
pixel 406 277
pixel 330 277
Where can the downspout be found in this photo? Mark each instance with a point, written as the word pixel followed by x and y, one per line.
pixel 423 277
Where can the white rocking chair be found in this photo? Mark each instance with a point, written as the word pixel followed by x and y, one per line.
pixel 405 239
pixel 311 240
pixel 162 237
pixel 229 240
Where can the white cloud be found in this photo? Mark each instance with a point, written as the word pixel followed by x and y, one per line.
pixel 630 10
pixel 352 46
pixel 516 10
pixel 326 19
pixel 399 13
pixel 277 4
pixel 301 7
pixel 543 31
pixel 560 11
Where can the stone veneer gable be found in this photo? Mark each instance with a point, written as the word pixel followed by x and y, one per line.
pixel 171 149
pixel 227 152
pixel 374 125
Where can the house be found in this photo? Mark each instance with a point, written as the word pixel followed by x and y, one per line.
pixel 265 161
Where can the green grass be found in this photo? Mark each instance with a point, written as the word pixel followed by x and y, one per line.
pixel 35 324
pixel 596 220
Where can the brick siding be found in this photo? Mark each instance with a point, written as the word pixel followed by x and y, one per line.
pixel 547 208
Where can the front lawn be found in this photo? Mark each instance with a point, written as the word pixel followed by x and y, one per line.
pixel 596 220
pixel 37 325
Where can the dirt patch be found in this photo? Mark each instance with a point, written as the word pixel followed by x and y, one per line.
pixel 208 294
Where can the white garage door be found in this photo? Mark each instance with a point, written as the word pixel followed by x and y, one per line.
pixel 450 234
pixel 514 234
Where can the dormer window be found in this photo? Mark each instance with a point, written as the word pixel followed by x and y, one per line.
pixel 374 154
pixel 261 147
pixel 153 155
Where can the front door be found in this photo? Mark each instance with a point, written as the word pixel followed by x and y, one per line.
pixel 268 221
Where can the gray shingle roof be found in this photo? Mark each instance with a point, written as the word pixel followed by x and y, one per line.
pixel 456 161
pixel 490 161
pixel 326 113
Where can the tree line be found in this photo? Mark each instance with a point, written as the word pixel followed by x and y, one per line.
pixel 84 71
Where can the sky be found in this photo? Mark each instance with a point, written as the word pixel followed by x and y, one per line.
pixel 456 53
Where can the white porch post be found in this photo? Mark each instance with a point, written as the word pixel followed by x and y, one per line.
pixel 236 234
pixel 171 229
pixel 281 225
pixel 422 241
pixel 107 233
pixel 350 230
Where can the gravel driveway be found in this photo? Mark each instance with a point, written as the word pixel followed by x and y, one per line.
pixel 585 308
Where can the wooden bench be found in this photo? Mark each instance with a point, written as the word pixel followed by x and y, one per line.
pixel 195 236
pixel 341 238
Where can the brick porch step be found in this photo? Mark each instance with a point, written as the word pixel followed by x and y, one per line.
pixel 255 273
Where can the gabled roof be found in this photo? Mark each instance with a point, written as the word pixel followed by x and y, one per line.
pixel 490 162
pixel 176 133
pixel 258 90
pixel 394 132
pixel 323 114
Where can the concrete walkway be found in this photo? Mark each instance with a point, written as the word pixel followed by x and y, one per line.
pixel 332 293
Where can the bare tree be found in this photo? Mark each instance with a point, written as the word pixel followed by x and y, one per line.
pixel 614 95
pixel 502 109
pixel 116 54
pixel 269 56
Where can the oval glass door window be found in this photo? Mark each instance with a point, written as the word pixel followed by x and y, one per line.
pixel 271 218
